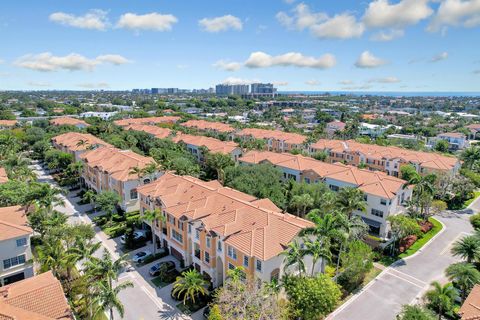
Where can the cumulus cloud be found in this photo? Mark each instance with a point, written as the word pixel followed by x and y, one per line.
pixel 150 21
pixel 39 84
pixel 341 26
pixel 47 62
pixel 368 60
pixel 93 85
pixel 219 24
pixel 233 81
pixel 312 82
pixel 383 14
pixel 227 65
pixel 384 80
pixel 464 13
pixel 263 60
pixel 301 18
pixel 94 19
pixel 388 35
pixel 439 57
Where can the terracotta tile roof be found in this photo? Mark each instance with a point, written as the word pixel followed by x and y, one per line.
pixel 13 223
pixel 150 121
pixel 292 138
pixel 213 145
pixel 474 127
pixel 115 162
pixel 255 227
pixel 337 124
pixel 67 121
pixel 208 125
pixel 8 123
pixel 157 132
pixel 38 298
pixel 470 309
pixel 452 135
pixel 70 140
pixel 3 175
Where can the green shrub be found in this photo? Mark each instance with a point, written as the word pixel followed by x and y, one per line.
pixel 475 221
pixel 115 230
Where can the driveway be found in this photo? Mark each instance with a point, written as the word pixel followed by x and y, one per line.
pixel 143 301
pixel 407 280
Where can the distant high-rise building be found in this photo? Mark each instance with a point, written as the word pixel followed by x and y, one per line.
pixel 155 90
pixel 231 89
pixel 262 88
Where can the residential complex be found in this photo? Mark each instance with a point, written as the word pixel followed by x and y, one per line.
pixel 67 121
pixel 387 159
pixel 334 126
pixel 15 251
pixel 456 140
pixel 157 132
pixel 385 195
pixel 194 145
pixel 76 143
pixel 217 228
pixel 148 121
pixel 208 126
pixel 276 140
pixel 231 89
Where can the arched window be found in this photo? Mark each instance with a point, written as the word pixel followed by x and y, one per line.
pixel 133 194
pixel 275 275
pixel 146 181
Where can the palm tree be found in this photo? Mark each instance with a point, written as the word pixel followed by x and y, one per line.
pixel 136 171
pixel 467 248
pixel 441 298
pixel 464 275
pixel 190 284
pixel 105 269
pixel 470 156
pixel 423 193
pixel 301 203
pixel 85 249
pixel 150 170
pixel 50 197
pixel 294 255
pixel 318 249
pixel 52 255
pixel 106 298
pixel 351 199
pixel 219 162
pixel 152 216
pixel 89 196
pixel 82 143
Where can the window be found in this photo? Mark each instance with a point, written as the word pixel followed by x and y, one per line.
pixel 209 240
pixel 177 236
pixel 245 261
pixel 232 253
pixel 333 188
pixel 377 213
pixel 259 265
pixel 15 261
pixel 365 197
pixel 307 180
pixel 189 228
pixel 219 246
pixel 383 202
pixel 146 181
pixel 207 257
pixel 21 242
pixel 171 219
pixel 133 194
pixel 197 234
pixel 180 225
pixel 231 266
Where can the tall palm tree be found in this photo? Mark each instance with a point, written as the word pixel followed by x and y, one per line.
pixel 464 275
pixel 319 249
pixel 105 269
pixel 85 249
pixel 301 203
pixel 50 197
pixel 189 284
pixel 351 199
pixel 467 248
pixel 150 170
pixel 136 171
pixel 441 298
pixel 470 156
pixel 423 193
pixel 89 196
pixel 294 255
pixel 106 298
pixel 152 216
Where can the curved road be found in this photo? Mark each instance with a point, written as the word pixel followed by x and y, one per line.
pixel 406 281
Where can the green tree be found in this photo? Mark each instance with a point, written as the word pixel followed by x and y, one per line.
pixel 403 226
pixel 301 203
pixel 441 298
pixel 464 276
pixel 415 312
pixel 441 146
pixel 90 197
pixel 215 313
pixel 106 298
pixel 470 157
pixel 357 261
pixel 107 201
pixel 152 216
pixel 351 199
pixel 409 173
pixel 294 255
pixel 467 248
pixel 190 285
pixel 318 249
pixel 219 162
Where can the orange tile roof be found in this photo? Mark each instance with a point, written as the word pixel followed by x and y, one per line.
pixel 13 223
pixel 255 227
pixel 292 138
pixel 452 134
pixel 115 162
pixel 474 127
pixel 67 121
pixel 3 175
pixel 38 298
pixel 157 132
pixel 470 309
pixel 70 140
pixel 151 120
pixel 208 125
pixel 213 145
pixel 8 123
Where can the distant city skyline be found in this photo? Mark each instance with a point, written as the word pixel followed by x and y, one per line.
pixel 350 46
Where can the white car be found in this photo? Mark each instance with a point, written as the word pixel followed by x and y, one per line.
pixel 137 235
pixel 140 256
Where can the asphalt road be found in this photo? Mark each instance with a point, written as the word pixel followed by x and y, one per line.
pixel 406 281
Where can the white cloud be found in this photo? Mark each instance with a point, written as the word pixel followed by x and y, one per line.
pixel 302 17
pixel 388 35
pixel 368 60
pixel 47 62
pixel 384 80
pixel 150 21
pixel 383 14
pixel 280 83
pixel 219 24
pixel 346 82
pixel 94 19
pixel 341 26
pixel 39 84
pixel 464 13
pixel 362 87
pixel 98 85
pixel 263 60
pixel 439 57
pixel 227 65
pixel 233 80
pixel 312 82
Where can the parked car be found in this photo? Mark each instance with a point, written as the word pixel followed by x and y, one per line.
pixel 206 312
pixel 155 269
pixel 140 256
pixel 137 235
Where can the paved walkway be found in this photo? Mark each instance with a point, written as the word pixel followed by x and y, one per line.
pixel 407 280
pixel 143 301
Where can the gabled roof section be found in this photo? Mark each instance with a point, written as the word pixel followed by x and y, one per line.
pixel 212 144
pixel 76 141
pixel 288 137
pixel 13 223
pixel 68 121
pixel 208 125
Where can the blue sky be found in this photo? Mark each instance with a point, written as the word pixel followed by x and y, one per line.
pixel 311 45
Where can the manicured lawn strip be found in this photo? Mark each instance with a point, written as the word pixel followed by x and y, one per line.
pixel 169 278
pixel 437 226
pixel 469 201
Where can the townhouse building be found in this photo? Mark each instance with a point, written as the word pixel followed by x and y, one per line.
pixel 387 159
pixel 215 228
pixel 148 121
pixel 384 195
pixel 456 140
pixel 15 250
pixel 8 124
pixel 195 144
pixel 474 131
pixel 157 132
pixel 208 126
pixel 3 175
pixel 109 169
pixel 277 141
pixel 68 121
pixel 335 126
pixel 76 143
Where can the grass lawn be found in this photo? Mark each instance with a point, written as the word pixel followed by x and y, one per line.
pixel 165 281
pixel 468 202
pixel 437 226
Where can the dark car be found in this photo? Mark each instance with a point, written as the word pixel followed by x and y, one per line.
pixel 168 265
pixel 206 312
